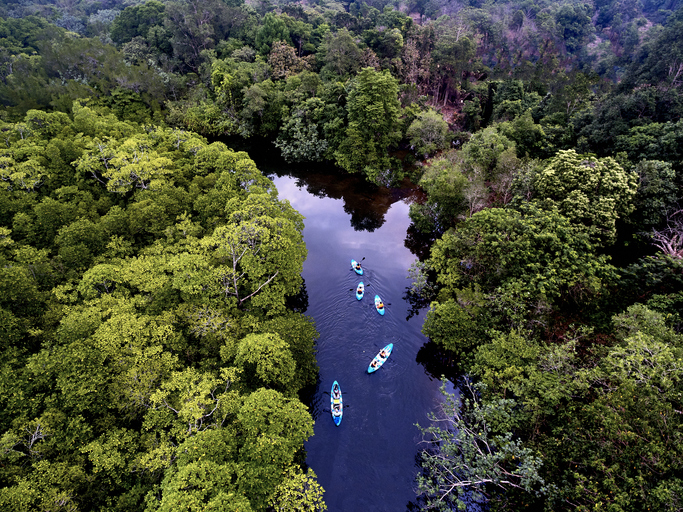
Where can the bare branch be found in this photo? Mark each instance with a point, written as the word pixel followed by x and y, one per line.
pixel 670 239
pixel 259 288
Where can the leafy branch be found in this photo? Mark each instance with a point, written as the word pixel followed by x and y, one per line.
pixel 466 457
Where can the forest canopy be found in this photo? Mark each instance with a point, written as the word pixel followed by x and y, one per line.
pixel 148 346
pixel 154 350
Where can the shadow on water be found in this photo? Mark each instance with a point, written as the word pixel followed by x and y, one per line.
pixel 299 302
pixel 437 362
pixel 369 461
pixel 419 243
pixel 417 303
pixel 366 203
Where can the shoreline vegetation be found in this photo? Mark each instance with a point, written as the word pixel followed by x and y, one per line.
pixel 153 351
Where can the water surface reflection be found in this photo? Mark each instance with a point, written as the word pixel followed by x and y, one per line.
pixel 369 462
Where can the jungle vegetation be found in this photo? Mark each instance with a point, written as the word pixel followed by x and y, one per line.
pixel 154 348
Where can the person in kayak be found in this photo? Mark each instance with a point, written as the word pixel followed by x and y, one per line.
pixel 384 354
pixel 337 410
pixel 374 363
pixel 336 391
pixel 358 265
pixel 380 305
pixel 359 290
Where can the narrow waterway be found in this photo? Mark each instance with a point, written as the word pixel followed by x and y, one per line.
pixel 368 463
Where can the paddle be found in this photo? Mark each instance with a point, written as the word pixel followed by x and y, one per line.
pixel 351 289
pixel 327 392
pixel 325 409
pixel 352 269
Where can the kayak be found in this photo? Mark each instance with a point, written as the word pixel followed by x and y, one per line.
pixel 360 291
pixel 358 270
pixel 378 301
pixel 336 404
pixel 379 359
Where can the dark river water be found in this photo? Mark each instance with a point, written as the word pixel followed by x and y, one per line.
pixel 368 463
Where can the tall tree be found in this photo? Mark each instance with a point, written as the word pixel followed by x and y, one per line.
pixel 373 110
pixel 195 25
pixel 590 192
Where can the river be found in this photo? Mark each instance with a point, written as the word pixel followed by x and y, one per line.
pixel 369 462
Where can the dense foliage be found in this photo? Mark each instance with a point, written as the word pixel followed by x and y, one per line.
pixel 548 76
pixel 149 356
pixel 555 281
pixel 149 359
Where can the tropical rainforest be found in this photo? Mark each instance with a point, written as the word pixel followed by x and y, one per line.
pixel 155 346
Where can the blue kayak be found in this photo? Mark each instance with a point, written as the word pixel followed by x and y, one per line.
pixel 380 358
pixel 379 305
pixel 336 403
pixel 360 291
pixel 356 266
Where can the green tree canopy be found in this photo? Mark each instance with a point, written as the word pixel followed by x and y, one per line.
pixel 143 311
pixel 590 192
pixel 136 20
pixel 373 127
pixel 517 266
